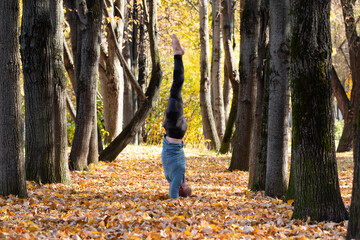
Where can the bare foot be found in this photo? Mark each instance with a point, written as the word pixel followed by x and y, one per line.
pixel 177 49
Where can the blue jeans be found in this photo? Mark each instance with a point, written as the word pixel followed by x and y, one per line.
pixel 174 164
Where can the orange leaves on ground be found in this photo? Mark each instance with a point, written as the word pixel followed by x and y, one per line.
pixel 128 199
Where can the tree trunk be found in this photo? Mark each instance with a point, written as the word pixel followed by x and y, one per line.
pixel 142 63
pixel 73 20
pixel 229 19
pixel 210 133
pixel 70 108
pixel 233 74
pixel 353 40
pixel 225 144
pixel 93 155
pixel 70 68
pixel 129 94
pixel 278 118
pixel 226 93
pixel 134 61
pixel 12 162
pixel 290 194
pixel 113 86
pixel 354 221
pixel 259 126
pixel 60 128
pixel 120 142
pixel 69 65
pixel 247 93
pixel 317 192
pixel 217 93
pixel 258 180
pixel 36 54
pixel 346 139
pixel 342 100
pixel 100 142
pixel 142 52
pixel 87 62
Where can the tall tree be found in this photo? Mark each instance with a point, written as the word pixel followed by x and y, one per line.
pixel 84 148
pixel 278 121
pixel 60 124
pixel 129 94
pixel 208 120
pixel 12 164
pixel 258 153
pixel 134 55
pixel 227 22
pixel 226 94
pixel 70 55
pixel 147 100
pixel 247 96
pixel 232 72
pixel 130 51
pixel 45 92
pixel 349 109
pixel 36 55
pixel 317 192
pixel 142 52
pixel 354 221
pixel 142 63
pixel 216 89
pixel 112 86
pixel 257 179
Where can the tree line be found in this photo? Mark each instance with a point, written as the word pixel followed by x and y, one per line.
pixel 285 50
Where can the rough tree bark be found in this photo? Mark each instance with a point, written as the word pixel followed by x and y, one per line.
pixel 228 11
pixel 259 141
pixel 142 58
pixel 258 178
pixel 129 94
pixel 317 192
pixel 134 53
pixel 121 141
pixel 142 53
pixel 60 123
pixel 70 68
pixel 354 221
pixel 247 96
pixel 216 89
pixel 232 71
pixel 279 94
pixel 112 87
pixel 211 137
pixel 36 55
pixel 226 94
pixel 84 148
pixel 12 162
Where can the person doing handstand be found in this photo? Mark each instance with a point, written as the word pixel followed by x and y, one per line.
pixel 173 156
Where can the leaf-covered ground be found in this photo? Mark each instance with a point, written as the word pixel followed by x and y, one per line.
pixel 128 199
